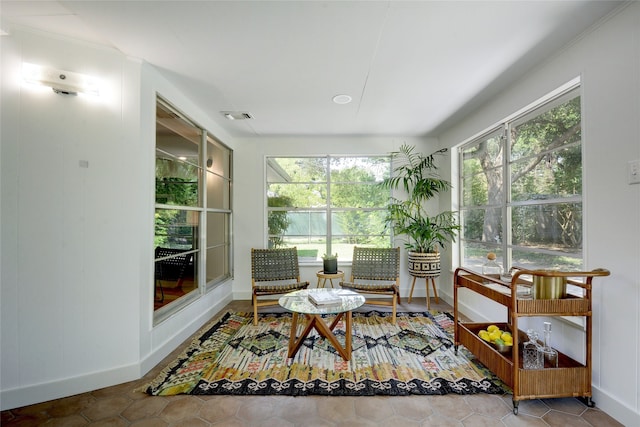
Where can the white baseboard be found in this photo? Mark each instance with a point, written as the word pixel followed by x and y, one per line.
pixel 607 403
pixel 29 395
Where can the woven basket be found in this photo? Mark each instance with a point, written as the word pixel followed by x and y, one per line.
pixel 424 264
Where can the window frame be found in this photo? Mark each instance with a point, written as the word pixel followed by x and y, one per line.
pixel 199 213
pixel 561 95
pixel 329 209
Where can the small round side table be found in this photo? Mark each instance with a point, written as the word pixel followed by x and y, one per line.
pixel 322 277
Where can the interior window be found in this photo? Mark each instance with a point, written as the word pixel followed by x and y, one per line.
pixel 193 182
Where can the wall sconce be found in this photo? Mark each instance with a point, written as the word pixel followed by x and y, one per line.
pixel 62 82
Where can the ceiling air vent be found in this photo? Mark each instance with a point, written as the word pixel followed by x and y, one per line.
pixel 236 115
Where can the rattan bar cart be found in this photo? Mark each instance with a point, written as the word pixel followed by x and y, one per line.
pixel 570 378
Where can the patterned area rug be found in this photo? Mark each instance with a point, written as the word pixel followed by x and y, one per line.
pixel 415 356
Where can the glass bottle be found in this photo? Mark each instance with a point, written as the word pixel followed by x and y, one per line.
pixel 550 355
pixel 491 267
pixel 532 356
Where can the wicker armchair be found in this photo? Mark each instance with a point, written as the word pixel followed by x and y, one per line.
pixel 273 272
pixel 376 271
pixel 170 266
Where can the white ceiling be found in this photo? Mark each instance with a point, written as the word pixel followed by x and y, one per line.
pixel 412 67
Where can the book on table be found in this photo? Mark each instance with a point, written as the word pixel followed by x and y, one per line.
pixel 325 298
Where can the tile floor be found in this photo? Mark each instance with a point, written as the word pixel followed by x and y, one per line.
pixel 121 405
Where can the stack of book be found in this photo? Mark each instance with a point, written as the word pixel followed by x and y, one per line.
pixel 324 298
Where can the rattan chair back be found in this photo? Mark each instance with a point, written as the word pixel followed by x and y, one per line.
pixel 274 264
pixel 375 264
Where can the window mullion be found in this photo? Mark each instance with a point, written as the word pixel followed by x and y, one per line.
pixel 329 247
pixel 506 212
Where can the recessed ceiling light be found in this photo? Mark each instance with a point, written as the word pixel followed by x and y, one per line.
pixel 342 99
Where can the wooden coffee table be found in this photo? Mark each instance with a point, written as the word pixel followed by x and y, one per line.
pixel 298 303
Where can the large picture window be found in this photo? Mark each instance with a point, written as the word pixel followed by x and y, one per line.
pixel 521 189
pixel 192 211
pixel 327 204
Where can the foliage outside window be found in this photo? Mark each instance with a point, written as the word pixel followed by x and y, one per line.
pixel 327 204
pixel 521 190
pixel 193 192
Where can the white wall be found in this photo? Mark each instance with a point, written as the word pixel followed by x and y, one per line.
pixel 76 282
pixel 608 60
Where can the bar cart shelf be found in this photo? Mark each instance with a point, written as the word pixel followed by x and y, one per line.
pixel 570 378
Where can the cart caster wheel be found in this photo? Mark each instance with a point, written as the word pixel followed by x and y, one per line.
pixel 589 402
pixel 455 349
pixel 515 407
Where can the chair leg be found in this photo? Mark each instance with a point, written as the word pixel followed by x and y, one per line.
pixel 254 300
pixel 159 284
pixel 393 310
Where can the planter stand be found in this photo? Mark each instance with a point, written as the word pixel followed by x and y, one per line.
pixel 435 292
pixel 425 265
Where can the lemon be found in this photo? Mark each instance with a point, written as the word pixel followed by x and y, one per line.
pixel 492 328
pixel 495 334
pixel 506 336
pixel 484 335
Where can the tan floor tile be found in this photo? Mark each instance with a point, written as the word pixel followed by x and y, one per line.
pixel 478 420
pixel 562 419
pixel 106 407
pixel 398 420
pixel 144 408
pixel 298 409
pixel 451 406
pixel 598 418
pixel 191 422
pixel 375 408
pixel 336 409
pixel 357 422
pixel 523 420
pixel 180 409
pixel 71 405
pixel 230 422
pixel 150 422
pixel 413 407
pixel 253 409
pixel 272 422
pixel 110 422
pixel 488 404
pixel 69 421
pixel 439 420
pixel 222 408
pixel 38 408
pixel 568 405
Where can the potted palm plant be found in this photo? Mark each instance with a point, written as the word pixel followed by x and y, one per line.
pixel 425 234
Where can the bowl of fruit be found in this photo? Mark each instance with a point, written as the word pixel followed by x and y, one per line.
pixel 497 338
